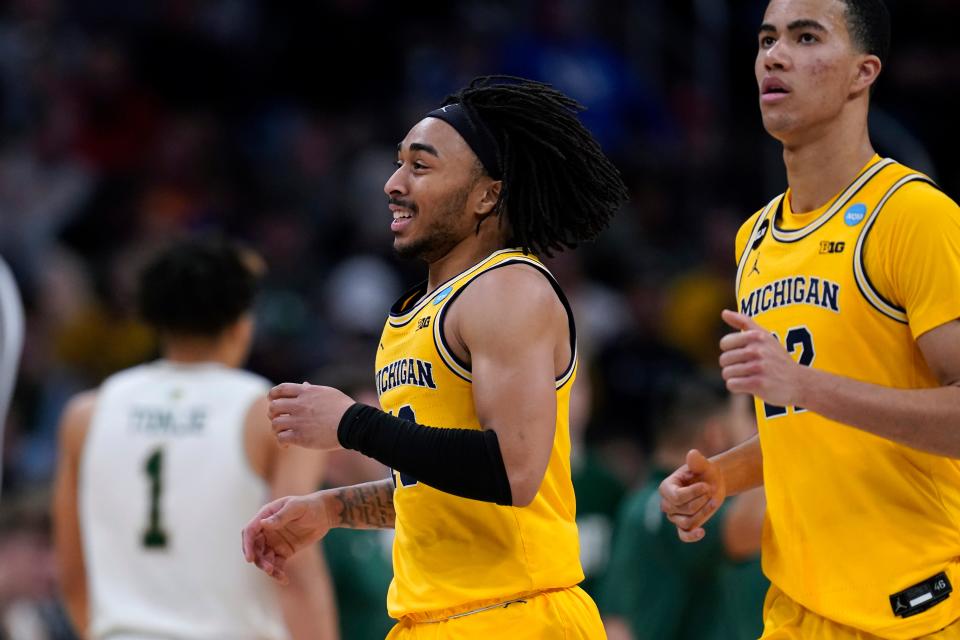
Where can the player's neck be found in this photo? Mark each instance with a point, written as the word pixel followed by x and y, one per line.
pixel 823 164
pixel 198 350
pixel 462 256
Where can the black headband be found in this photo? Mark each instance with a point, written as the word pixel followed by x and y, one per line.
pixel 477 136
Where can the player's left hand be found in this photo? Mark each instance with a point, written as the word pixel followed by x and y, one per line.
pixel 692 494
pixel 753 361
pixel 281 529
pixel 307 415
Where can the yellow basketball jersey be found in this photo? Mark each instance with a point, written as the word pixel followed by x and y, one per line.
pixel 852 518
pixel 450 551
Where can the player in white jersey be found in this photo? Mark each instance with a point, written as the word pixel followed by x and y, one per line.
pixel 161 466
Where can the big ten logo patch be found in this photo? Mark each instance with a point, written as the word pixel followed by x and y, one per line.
pixel 828 246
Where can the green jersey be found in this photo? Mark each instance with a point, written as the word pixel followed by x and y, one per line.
pixel 361 569
pixel 667 589
pixel 599 495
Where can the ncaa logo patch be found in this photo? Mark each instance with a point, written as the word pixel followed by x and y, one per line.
pixel 443 294
pixel 855 214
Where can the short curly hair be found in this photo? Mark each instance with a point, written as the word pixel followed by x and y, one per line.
pixel 868 22
pixel 198 287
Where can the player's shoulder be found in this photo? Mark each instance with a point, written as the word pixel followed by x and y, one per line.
pixel 129 376
pixel 248 378
pixel 247 391
pixel 921 198
pixel 520 284
pixel 746 231
pixel 507 305
pixel 231 380
pixel 918 207
pixel 83 402
pixel 76 417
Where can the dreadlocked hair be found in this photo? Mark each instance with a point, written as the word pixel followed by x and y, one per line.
pixel 559 189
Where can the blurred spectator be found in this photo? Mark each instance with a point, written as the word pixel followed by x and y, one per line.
pixel 159 466
pixel 29 607
pixel 565 46
pixel 695 297
pixel 42 187
pixel 637 370
pixel 598 488
pixel 117 118
pixel 660 588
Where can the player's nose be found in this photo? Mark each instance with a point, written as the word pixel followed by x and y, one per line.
pixel 776 57
pixel 396 184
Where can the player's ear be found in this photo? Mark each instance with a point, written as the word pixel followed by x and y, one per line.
pixel 489 196
pixel 868 70
pixel 240 336
pixel 242 327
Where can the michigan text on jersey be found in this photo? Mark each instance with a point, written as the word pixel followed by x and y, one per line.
pixel 790 291
pixel 412 371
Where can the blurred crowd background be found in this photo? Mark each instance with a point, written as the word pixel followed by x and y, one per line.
pixel 126 123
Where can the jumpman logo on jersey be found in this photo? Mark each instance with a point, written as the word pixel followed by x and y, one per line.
pixel 756 267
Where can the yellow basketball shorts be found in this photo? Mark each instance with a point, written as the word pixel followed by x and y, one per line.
pixel 785 619
pixel 562 614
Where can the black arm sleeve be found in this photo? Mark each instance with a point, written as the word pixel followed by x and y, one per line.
pixel 463 462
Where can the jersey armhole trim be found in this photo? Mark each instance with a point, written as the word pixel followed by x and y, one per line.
pixel 748 248
pixel 864 284
pixel 462 369
pixel 401 315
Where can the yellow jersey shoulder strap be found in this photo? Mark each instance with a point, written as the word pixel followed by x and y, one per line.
pixel 449 293
pixel 866 287
pixel 417 298
pixel 759 232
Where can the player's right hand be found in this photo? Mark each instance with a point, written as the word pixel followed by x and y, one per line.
pixel 691 495
pixel 281 529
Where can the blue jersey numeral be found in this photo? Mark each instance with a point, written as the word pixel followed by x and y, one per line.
pixel 796 337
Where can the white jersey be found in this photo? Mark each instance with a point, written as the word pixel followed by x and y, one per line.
pixel 165 487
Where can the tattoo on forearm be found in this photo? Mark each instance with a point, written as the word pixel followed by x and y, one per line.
pixel 366 506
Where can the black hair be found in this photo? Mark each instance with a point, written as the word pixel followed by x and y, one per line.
pixel 868 22
pixel 559 189
pixel 198 287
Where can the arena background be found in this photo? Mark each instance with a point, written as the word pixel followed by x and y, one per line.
pixel 128 123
